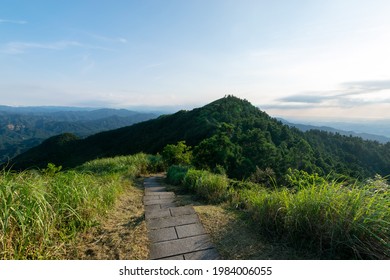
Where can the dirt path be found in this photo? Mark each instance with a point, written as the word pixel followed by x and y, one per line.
pixel 121 234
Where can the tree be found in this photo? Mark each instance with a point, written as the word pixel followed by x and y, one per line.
pixel 217 151
pixel 180 154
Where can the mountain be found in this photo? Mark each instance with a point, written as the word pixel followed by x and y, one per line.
pixel 229 134
pixel 22 128
pixel 366 136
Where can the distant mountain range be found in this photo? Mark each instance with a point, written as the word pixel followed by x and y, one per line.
pixel 22 128
pixel 365 136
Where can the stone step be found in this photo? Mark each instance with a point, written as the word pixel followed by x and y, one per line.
pixel 175 232
pixel 180 246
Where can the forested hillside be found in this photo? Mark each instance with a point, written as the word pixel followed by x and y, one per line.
pixel 25 127
pixel 228 135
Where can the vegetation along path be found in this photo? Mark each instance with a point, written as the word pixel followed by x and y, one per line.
pixel 175 232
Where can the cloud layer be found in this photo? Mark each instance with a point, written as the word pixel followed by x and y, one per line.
pixel 349 94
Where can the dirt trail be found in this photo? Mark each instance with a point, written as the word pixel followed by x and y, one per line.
pixel 120 235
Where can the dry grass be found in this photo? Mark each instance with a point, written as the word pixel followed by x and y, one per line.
pixel 121 234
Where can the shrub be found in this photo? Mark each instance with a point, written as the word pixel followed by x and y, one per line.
pixel 176 174
pixel 212 187
pixel 156 163
pixel 179 154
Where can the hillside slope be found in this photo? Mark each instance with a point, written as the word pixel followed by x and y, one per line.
pixel 25 127
pixel 232 134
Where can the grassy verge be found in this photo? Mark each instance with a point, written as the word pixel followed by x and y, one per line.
pixel 330 219
pixel 120 234
pixel 41 211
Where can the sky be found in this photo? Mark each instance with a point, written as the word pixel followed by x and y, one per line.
pixel 297 59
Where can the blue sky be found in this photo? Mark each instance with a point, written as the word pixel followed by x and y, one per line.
pixel 291 58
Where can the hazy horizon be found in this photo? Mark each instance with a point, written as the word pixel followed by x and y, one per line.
pixel 173 109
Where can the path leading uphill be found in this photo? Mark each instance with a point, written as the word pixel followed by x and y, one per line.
pixel 175 232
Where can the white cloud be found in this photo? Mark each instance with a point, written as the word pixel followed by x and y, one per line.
pixel 103 38
pixel 347 95
pixel 13 21
pixel 22 47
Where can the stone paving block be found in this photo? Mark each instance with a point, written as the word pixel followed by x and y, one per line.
pixel 166 194
pixel 157 213
pixel 155 189
pixel 172 221
pixel 180 246
pixel 210 254
pixel 162 234
pixel 147 182
pixel 151 184
pixel 182 210
pixel 158 195
pixel 160 201
pixel 167 205
pixel 152 207
pixel 151 197
pixel 190 230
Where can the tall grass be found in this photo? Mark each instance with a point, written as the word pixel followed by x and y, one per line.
pixel 132 166
pixel 41 211
pixel 176 174
pixel 333 219
pixel 336 221
pixel 207 185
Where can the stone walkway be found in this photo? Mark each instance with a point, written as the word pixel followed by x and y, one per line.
pixel 175 232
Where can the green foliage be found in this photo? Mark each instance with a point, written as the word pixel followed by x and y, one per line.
pixel 51 169
pixel 299 179
pixel 131 166
pixel 177 154
pixel 229 136
pixel 218 152
pixel 40 212
pixel 334 219
pixel 212 187
pixel 176 174
pixel 156 163
pixel 24 128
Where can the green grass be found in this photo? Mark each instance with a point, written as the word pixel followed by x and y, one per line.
pixel 335 220
pixel 41 211
pixel 338 222
pixel 209 186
